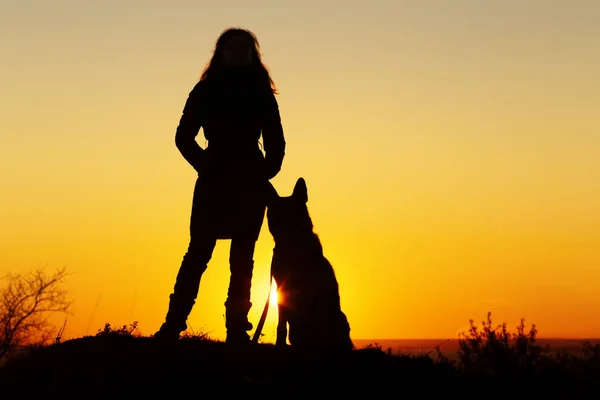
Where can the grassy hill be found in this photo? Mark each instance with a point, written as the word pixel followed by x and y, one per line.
pixel 117 365
pixel 121 364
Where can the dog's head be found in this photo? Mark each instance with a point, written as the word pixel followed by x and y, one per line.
pixel 288 216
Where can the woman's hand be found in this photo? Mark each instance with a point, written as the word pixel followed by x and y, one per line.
pixel 271 168
pixel 201 163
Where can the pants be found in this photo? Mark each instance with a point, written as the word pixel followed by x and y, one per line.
pixel 194 264
pixel 203 238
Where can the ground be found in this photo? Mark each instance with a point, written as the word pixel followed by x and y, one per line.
pixel 121 366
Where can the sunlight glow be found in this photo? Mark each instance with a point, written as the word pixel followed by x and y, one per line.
pixel 273 297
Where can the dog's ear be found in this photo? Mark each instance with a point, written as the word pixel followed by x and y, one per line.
pixel 300 191
pixel 271 194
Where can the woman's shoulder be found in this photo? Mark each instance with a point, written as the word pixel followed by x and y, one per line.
pixel 201 91
pixel 200 87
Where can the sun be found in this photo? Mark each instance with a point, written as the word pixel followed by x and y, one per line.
pixel 273 296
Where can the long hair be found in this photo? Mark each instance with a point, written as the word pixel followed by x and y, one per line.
pixel 216 62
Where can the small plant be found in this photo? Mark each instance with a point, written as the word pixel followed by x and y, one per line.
pixel 108 330
pixel 591 351
pixel 441 358
pixel 191 334
pixel 496 351
pixel 60 333
pixel 375 347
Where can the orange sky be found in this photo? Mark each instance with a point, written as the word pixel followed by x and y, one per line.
pixel 450 151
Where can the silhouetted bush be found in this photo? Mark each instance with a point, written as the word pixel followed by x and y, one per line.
pixel 26 304
pixel 108 330
pixel 494 351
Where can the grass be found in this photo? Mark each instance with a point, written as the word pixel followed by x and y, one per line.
pixel 117 362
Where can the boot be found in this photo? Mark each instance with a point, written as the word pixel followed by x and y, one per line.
pixel 185 291
pixel 238 302
pixel 175 321
pixel 238 338
pixel 237 324
pixel 168 333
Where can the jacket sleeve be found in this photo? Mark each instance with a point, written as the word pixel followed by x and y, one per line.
pixel 189 126
pixel 272 132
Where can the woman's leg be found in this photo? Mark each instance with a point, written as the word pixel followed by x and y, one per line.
pixel 195 262
pixel 237 306
pixel 187 283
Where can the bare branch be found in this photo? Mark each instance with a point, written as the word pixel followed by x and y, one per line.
pixel 26 304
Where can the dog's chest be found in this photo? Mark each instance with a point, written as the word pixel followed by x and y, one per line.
pixel 302 272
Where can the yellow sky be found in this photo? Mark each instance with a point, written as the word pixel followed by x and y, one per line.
pixel 450 151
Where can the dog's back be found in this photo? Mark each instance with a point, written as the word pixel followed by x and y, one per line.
pixel 309 297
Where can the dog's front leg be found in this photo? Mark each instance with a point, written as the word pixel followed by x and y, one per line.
pixel 281 326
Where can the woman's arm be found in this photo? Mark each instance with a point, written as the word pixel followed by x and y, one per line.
pixel 188 128
pixel 273 138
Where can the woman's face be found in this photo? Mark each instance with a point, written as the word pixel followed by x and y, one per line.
pixel 237 51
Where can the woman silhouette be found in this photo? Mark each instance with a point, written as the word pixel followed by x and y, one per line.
pixel 234 102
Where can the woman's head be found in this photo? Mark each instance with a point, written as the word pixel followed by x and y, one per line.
pixel 238 48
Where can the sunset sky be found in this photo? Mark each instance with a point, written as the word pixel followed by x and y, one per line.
pixel 450 148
